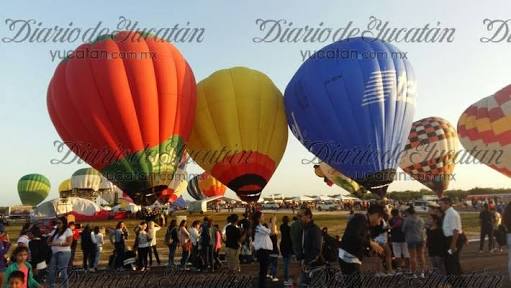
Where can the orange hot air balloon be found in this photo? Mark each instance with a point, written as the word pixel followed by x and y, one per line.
pixel 125 104
pixel 484 130
pixel 211 187
pixel 429 155
pixel 204 186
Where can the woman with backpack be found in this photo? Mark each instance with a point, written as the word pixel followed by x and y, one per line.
pixel 172 240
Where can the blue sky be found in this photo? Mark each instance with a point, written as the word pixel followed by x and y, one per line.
pixel 450 76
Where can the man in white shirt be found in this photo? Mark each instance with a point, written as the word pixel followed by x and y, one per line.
pixel 452 229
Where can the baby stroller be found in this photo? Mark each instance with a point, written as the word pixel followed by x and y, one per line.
pixel 129 261
pixel 246 256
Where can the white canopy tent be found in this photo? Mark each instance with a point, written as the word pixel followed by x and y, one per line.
pixel 303 198
pixel 323 198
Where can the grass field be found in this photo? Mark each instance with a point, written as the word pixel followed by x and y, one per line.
pixel 335 221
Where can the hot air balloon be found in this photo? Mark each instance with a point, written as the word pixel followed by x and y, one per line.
pixel 352 104
pixel 204 186
pixel 125 104
pixel 240 130
pixel 484 130
pixel 429 155
pixel 86 179
pixel 65 186
pixel 178 184
pixel 332 176
pixel 33 189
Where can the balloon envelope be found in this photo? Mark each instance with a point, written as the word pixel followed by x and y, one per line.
pixel 484 130
pixel 204 186
pixel 65 186
pixel 127 117
pixel 352 104
pixel 86 178
pixel 430 153
pixel 33 189
pixel 332 176
pixel 240 130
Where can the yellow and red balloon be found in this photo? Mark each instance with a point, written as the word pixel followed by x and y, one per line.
pixel 240 130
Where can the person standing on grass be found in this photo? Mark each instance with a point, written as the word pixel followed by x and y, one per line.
pixel 295 231
pixel 486 220
pixel 194 238
pixel 97 238
pixel 119 236
pixel 186 244
pixel 355 242
pixel 233 238
pixel 152 229
pixel 274 255
pixel 506 222
pixel 60 242
pixel 20 256
pixel 172 240
pixel 455 238
pixel 286 248
pixel 217 245
pixel 75 228
pixel 312 241
pixel 397 238
pixel 88 248
pixel 263 246
pixel 40 252
pixel 205 245
pixel 435 242
pixel 413 228
pixel 4 248
pixel 143 246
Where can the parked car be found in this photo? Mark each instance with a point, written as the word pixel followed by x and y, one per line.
pixel 271 206
pixel 328 206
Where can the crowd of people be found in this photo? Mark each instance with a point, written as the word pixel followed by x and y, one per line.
pixel 399 237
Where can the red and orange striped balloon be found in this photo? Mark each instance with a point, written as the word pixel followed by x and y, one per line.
pixel 484 130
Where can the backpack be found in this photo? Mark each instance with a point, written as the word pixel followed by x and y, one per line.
pixel 329 249
pixel 168 236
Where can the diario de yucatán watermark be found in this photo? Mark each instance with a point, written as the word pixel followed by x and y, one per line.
pixel 287 31
pixel 33 31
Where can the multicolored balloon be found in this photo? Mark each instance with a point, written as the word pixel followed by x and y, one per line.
pixel 33 189
pixel 178 184
pixel 125 104
pixel 86 178
pixel 484 130
pixel 429 155
pixel 240 130
pixel 352 104
pixel 204 186
pixel 332 176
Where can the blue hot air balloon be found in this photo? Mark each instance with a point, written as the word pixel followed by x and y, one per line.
pixel 352 105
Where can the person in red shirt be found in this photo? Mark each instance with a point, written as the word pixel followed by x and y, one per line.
pixel 75 228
